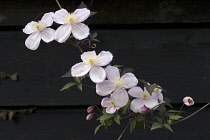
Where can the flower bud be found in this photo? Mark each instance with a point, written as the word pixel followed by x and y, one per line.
pixel 90 109
pixel 89 116
pixel 188 101
pixel 143 110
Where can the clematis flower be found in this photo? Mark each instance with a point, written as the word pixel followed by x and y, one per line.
pixel 143 98
pixel 71 23
pixel 38 30
pixel 158 94
pixel 109 104
pixel 188 101
pixel 92 62
pixel 117 85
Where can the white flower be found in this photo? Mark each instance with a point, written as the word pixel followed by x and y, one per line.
pixel 71 24
pixel 117 85
pixel 92 62
pixel 143 98
pixel 38 31
pixel 109 104
pixel 188 101
pixel 157 93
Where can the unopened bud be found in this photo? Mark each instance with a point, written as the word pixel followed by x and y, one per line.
pixel 89 116
pixel 188 101
pixel 143 110
pixel 90 109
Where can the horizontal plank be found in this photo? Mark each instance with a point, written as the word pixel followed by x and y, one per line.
pixel 20 12
pixel 176 59
pixel 71 125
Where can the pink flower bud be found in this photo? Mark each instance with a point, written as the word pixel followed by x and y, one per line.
pixel 90 109
pixel 143 110
pixel 188 101
pixel 89 116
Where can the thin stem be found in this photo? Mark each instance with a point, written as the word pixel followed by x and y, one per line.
pixel 182 107
pixel 59 5
pixel 157 105
pixel 191 114
pixel 98 109
pixel 124 130
pixel 78 46
pixel 88 86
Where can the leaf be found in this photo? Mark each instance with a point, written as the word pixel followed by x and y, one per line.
pixel 143 81
pixel 118 66
pixel 150 88
pixel 68 85
pixel 97 128
pixel 159 119
pixel 106 116
pixel 132 125
pixel 167 126
pixel 174 117
pixel 68 74
pixel 117 119
pixel 167 100
pixel 92 13
pixel 173 111
pixel 140 118
pixel 94 35
pixel 82 5
pixel 124 109
pixel 156 125
pixel 77 80
pixel 96 40
pixel 79 87
pixel 127 70
pixel 161 108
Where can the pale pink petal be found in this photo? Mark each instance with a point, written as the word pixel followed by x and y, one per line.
pixel 105 102
pixel 47 34
pixel 135 92
pixel 104 58
pixel 63 33
pixel 60 15
pixel 112 73
pixel 120 98
pixel 33 41
pixel 105 88
pixel 160 97
pixel 47 19
pixel 111 109
pixel 97 74
pixel 29 28
pixel 129 80
pixel 81 14
pixel 150 102
pixel 80 31
pixel 136 104
pixel 85 55
pixel 80 69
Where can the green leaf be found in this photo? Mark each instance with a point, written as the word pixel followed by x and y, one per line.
pixel 159 119
pixel 82 5
pixel 117 119
pixel 132 125
pixel 140 118
pixel 79 87
pixel 161 108
pixel 173 111
pixel 167 126
pixel 150 88
pixel 77 80
pixel 156 125
pixel 95 40
pixel 106 116
pixel 143 81
pixel 124 109
pixel 97 128
pixel 127 70
pixel 174 117
pixel 94 35
pixel 68 85
pixel 118 66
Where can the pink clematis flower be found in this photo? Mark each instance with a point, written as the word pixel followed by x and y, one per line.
pixel 143 98
pixel 109 104
pixel 71 23
pixel 188 101
pixel 92 62
pixel 117 85
pixel 158 94
pixel 38 30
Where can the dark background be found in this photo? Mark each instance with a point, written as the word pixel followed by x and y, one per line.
pixel 166 41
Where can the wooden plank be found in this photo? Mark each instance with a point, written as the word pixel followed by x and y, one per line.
pixel 71 125
pixel 176 59
pixel 20 12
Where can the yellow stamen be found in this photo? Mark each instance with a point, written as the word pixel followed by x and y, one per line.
pixel 91 60
pixel 144 95
pixel 70 18
pixel 118 83
pixel 38 26
pixel 157 90
pixel 111 103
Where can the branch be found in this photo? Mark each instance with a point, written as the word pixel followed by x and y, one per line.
pixel 124 130
pixel 59 5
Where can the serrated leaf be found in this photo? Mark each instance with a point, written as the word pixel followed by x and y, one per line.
pixel 79 87
pixel 96 40
pixel 156 125
pixel 132 125
pixel 174 117
pixel 77 80
pixel 68 85
pixel 97 128
pixel 117 119
pixel 167 126
pixel 106 116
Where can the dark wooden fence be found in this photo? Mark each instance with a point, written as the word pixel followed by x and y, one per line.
pixel 165 41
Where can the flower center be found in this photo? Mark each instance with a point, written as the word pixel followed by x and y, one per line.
pixel 157 90
pixel 144 95
pixel 111 103
pixel 91 60
pixel 190 101
pixel 38 26
pixel 118 83
pixel 70 18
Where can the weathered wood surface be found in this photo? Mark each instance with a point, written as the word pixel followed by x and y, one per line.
pixel 70 124
pixel 176 59
pixel 20 12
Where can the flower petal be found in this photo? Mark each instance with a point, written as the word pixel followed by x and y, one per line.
pixel 112 73
pixel 129 80
pixel 63 33
pixel 120 98
pixel 80 69
pixel 158 96
pixel 80 31
pixel 47 19
pixel 136 104
pixel 135 92
pixel 47 34
pixel 97 74
pixel 105 102
pixel 87 54
pixel 104 58
pixel 150 102
pixel 60 15
pixel 111 109
pixel 81 14
pixel 104 88
pixel 33 41
pixel 29 27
